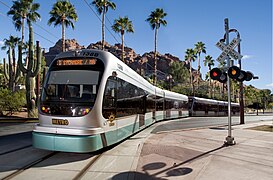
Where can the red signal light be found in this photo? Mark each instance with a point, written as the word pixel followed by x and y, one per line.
pixel 214 74
pixel 217 74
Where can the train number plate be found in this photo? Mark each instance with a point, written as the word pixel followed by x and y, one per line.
pixel 60 122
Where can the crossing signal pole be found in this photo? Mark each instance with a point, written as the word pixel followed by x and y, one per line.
pixel 233 72
pixel 241 90
pixel 229 138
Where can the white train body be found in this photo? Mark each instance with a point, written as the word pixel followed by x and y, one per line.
pixel 91 100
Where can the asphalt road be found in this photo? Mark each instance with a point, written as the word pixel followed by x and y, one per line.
pixel 16 136
pixel 199 122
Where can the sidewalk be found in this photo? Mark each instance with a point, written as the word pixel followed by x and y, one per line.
pixel 200 154
pixel 189 154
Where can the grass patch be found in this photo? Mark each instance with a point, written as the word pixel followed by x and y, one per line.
pixel 267 128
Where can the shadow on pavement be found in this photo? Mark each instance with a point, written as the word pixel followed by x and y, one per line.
pixel 174 171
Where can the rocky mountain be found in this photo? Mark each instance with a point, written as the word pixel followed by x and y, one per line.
pixel 143 64
pixel 70 44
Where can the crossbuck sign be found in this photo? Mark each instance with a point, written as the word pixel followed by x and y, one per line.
pixel 228 50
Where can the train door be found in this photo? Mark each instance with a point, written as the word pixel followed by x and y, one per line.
pixel 150 108
pixel 159 104
pixel 191 106
pixel 154 108
pixel 163 106
pixel 109 109
pixel 143 110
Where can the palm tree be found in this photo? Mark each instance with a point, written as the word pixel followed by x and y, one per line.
pixel 208 61
pixel 190 57
pixel 102 7
pixel 121 25
pixel 199 48
pixel 155 19
pixel 22 10
pixel 11 44
pixel 63 13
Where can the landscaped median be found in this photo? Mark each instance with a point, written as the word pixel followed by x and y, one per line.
pixel 268 128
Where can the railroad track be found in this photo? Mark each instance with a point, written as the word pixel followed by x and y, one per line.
pixel 22 169
pixel 16 149
pixel 79 175
pixel 87 167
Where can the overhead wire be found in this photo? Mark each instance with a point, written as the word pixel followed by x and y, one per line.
pixel 112 25
pixel 101 20
pixel 34 24
pixel 56 36
pixel 33 31
pixel 109 30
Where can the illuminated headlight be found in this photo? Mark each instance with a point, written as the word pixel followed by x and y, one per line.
pixel 80 111
pixel 45 109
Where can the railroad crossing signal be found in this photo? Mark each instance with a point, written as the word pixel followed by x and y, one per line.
pixel 228 50
pixel 233 72
pixel 217 74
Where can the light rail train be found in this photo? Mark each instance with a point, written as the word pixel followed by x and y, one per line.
pixel 91 100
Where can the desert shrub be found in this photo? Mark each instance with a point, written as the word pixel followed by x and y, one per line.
pixel 11 101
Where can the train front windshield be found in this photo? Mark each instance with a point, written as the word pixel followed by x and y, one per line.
pixel 70 90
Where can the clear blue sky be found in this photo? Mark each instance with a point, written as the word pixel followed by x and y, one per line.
pixel 188 23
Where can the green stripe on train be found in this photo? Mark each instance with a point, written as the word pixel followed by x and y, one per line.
pixel 113 137
pixel 68 143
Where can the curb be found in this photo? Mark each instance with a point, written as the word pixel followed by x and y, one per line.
pixel 19 120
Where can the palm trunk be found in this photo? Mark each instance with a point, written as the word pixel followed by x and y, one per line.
pixel 23 30
pixel 122 45
pixel 191 77
pixel 155 60
pixel 63 37
pixel 198 71
pixel 102 28
pixel 23 36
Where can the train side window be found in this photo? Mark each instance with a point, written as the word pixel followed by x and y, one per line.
pixel 130 99
pixel 150 103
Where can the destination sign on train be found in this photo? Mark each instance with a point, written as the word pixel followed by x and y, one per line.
pixel 75 62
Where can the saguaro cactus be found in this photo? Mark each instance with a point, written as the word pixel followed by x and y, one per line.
pixel 11 71
pixel 30 71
